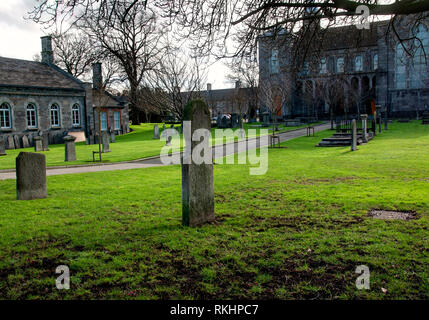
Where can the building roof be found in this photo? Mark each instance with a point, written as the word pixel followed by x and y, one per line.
pixel 23 73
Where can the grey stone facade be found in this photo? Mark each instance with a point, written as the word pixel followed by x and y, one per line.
pixel 39 97
pixel 364 61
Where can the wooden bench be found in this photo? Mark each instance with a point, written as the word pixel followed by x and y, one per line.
pixel 310 129
pixel 272 139
pixel 93 155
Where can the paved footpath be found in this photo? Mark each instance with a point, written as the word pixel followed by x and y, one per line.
pixel 156 162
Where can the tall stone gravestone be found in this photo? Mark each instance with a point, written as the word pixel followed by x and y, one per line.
pixel 2 147
pixel 30 176
pixel 156 132
pixel 364 118
pixel 354 135
pixel 45 141
pixel 70 149
pixel 112 137
pixel 38 143
pixel 10 142
pixel 25 142
pixel 197 179
pixel 105 142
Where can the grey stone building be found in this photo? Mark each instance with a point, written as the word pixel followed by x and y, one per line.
pixel 40 98
pixel 352 70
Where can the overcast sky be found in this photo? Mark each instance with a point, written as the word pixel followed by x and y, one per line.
pixel 20 38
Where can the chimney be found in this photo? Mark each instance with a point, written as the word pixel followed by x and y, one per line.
pixel 237 84
pixel 209 86
pixel 47 53
pixel 97 76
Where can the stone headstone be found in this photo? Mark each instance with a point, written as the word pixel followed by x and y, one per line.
pixel 70 149
pixel 364 118
pixel 16 140
pixel 45 141
pixel 30 176
pixel 105 142
pixel 10 142
pixel 163 126
pixel 197 179
pixel 354 135
pixel 25 142
pixel 2 147
pixel 156 132
pixel 38 144
pixel 112 137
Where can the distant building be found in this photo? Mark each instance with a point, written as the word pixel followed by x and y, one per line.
pixel 40 97
pixel 370 64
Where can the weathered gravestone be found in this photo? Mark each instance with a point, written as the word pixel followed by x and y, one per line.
pixel 16 140
pixel 163 126
pixel 197 179
pixel 354 135
pixel 364 118
pixel 38 144
pixel 25 142
pixel 70 149
pixel 10 142
pixel 112 137
pixel 30 176
pixel 45 141
pixel 2 147
pixel 156 132
pixel 105 142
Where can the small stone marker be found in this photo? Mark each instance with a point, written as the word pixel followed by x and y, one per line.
pixel 364 129
pixel 16 140
pixel 45 141
pixel 197 179
pixel 25 143
pixel 2 147
pixel 38 144
pixel 30 176
pixel 354 135
pixel 105 142
pixel 156 132
pixel 70 149
pixel 10 142
pixel 113 137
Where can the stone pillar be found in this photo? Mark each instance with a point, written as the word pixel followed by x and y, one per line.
pixel 354 135
pixel 105 142
pixel 70 149
pixel 45 141
pixel 30 176
pixel 156 132
pixel 197 179
pixel 378 113
pixel 364 118
pixel 2 147
pixel 38 144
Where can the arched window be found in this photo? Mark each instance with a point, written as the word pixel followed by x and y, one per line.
pixel 76 115
pixel 5 121
pixel 55 115
pixel 375 61
pixel 418 72
pixel 31 116
pixel 400 67
pixel 358 63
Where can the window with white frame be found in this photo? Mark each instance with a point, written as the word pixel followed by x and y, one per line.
pixel 103 117
pixel 323 66
pixel 375 62
pixel 31 116
pixel 418 73
pixel 117 120
pixel 358 63
pixel 274 61
pixel 340 65
pixel 76 114
pixel 55 115
pixel 5 120
pixel 400 67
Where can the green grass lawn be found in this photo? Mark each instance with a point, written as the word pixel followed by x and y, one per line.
pixel 132 146
pixel 299 231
